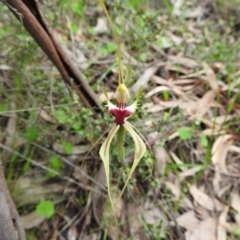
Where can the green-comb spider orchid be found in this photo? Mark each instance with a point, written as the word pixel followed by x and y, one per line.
pixel 121 112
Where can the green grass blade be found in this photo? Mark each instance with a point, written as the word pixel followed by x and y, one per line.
pixel 140 149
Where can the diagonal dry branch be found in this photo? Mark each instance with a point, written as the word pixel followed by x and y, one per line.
pixel 29 14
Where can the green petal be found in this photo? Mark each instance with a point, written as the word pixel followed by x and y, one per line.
pixel 140 149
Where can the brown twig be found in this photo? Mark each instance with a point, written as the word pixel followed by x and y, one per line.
pixel 29 14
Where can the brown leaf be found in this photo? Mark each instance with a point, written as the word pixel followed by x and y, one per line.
pixel 213 132
pixel 138 217
pixel 146 76
pixel 98 199
pixel 43 114
pixel 11 127
pixel 4 67
pixel 72 233
pixel 161 161
pixel 31 220
pixel 186 62
pixel 206 230
pixel 81 176
pixel 219 152
pixel 110 95
pixel 156 90
pixel 101 26
pixel 204 200
pixel 92 236
pixel 221 231
pixel 235 203
pixel 175 189
pixel 189 172
pixel 188 220
pixel 211 76
pixel 205 103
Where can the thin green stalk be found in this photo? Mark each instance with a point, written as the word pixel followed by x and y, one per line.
pixel 119 55
pixel 120 142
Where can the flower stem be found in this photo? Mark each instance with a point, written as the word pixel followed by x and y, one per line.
pixel 119 54
pixel 120 142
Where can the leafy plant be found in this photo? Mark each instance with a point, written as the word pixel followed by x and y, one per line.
pixel 46 209
pixel 68 147
pixel 184 133
pixel 31 133
pixel 77 7
pixel 55 164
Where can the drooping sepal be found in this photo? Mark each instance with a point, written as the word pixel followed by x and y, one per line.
pixel 104 152
pixel 139 149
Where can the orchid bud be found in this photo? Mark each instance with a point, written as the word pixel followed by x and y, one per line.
pixel 122 95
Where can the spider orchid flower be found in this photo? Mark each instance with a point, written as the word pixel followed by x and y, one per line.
pixel 121 112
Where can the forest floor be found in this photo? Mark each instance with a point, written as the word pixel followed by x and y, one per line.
pixel 186 56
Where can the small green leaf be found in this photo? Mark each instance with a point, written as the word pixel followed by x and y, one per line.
pixel 204 140
pixel 103 50
pixel 164 42
pixel 111 47
pixel 76 125
pixel 45 208
pixel 77 7
pixel 74 27
pixel 184 133
pixel 31 133
pixel 55 164
pixel 140 149
pixel 166 116
pixel 166 95
pixel 61 116
pixel 143 57
pixel 68 147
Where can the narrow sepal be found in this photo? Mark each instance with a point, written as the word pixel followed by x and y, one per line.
pixel 104 152
pixel 140 149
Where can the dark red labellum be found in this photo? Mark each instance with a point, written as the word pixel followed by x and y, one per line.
pixel 120 115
